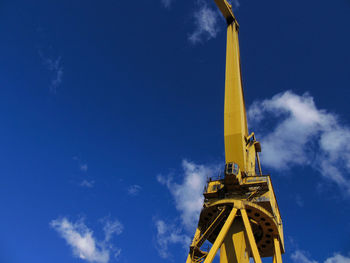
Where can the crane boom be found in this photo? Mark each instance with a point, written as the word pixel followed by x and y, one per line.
pixel 235 122
pixel 240 215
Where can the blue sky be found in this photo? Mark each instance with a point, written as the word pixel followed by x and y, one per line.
pixel 112 117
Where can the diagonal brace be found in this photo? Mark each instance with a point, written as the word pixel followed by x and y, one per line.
pixel 251 238
pixel 210 229
pixel 220 238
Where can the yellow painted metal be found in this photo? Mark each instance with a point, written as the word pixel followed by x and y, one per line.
pixel 223 232
pixel 257 231
pixel 252 243
pixel 277 256
pixel 189 260
pixel 235 123
pixel 210 228
pixel 235 248
pixel 196 237
pixel 226 10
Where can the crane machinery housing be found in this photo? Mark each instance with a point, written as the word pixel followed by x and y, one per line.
pixel 240 214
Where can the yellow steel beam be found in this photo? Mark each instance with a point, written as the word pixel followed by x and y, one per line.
pixel 210 228
pixel 235 248
pixel 277 254
pixel 226 10
pixel 252 243
pixel 220 238
pixel 196 236
pixel 236 129
pixel 235 122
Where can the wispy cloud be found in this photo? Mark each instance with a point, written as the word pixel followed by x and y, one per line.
pixel 206 23
pixel 188 197
pixel 337 258
pixel 134 189
pixel 293 131
pixel 167 3
pixel 54 65
pixel 81 240
pixel 88 184
pixel 83 167
pixel 168 234
pixel 188 194
pixel 112 227
pixel 303 257
pixel 299 200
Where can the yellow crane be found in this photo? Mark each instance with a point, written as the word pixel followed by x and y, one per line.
pixel 240 215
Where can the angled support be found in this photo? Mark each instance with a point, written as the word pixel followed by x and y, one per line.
pixel 198 243
pixel 277 258
pixel 196 236
pixel 251 238
pixel 218 242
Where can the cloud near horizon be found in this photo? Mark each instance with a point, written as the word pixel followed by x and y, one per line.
pixel 294 132
pixel 82 242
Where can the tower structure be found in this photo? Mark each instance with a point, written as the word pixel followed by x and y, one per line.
pixel 240 215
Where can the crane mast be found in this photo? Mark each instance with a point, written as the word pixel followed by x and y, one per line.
pixel 240 215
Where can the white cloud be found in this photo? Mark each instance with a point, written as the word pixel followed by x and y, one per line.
pixel 83 167
pixel 112 227
pixel 337 258
pixel 82 242
pixel 205 20
pixel 134 189
pixel 169 234
pixel 167 3
pixel 188 195
pixel 54 66
pixel 88 184
pixel 299 200
pixel 302 257
pixel 298 133
pixel 117 253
